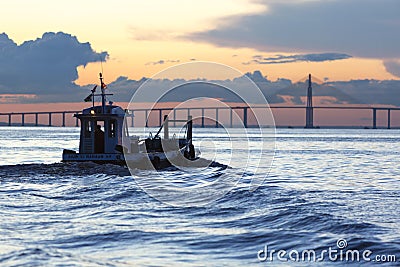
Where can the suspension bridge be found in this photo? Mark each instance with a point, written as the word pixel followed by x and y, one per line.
pixel 141 116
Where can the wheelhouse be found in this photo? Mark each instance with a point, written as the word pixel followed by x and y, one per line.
pixel 101 132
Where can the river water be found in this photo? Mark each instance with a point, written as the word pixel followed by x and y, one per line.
pixel 326 189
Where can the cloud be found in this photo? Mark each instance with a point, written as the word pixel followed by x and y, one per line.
pixel 362 28
pixel 162 61
pixel 337 92
pixel 392 66
pixel 46 67
pixel 371 91
pixel 279 59
pixel 15 98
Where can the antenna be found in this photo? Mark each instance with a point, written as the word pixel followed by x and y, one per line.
pixel 101 64
pixel 103 86
pixel 103 95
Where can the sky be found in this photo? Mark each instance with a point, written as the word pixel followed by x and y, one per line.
pixel 54 48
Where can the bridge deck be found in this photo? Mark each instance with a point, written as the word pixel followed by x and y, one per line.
pixel 243 109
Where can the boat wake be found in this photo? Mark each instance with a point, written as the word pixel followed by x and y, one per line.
pixel 62 169
pixel 78 169
pixel 190 185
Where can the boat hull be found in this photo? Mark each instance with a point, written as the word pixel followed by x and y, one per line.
pixel 157 160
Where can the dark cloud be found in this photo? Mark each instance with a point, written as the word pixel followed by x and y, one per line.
pixel 123 88
pixel 362 28
pixel 392 66
pixel 162 61
pixel 46 67
pixel 371 91
pixel 279 59
pixel 339 92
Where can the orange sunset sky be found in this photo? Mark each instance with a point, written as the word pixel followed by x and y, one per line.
pixel 138 32
pixel 283 39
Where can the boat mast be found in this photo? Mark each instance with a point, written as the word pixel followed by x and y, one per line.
pixel 103 95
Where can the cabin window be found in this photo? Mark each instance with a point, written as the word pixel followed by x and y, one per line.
pixel 99 128
pixel 99 144
pixel 88 129
pixel 113 128
pixel 101 124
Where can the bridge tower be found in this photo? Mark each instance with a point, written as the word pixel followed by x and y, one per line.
pixel 309 108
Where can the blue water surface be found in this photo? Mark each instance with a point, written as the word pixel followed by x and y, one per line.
pixel 324 185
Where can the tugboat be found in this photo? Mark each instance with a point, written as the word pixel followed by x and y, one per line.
pixel 104 138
